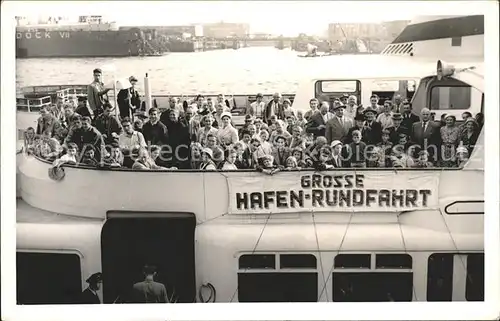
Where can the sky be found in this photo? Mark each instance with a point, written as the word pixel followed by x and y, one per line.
pixel 280 17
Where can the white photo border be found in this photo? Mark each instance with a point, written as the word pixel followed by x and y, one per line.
pixel 258 311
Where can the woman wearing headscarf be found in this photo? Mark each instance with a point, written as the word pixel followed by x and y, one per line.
pixel 470 134
pixel 227 134
pixel 450 135
pixel 178 140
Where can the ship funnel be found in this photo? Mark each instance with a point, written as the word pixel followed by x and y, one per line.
pixel 444 70
pixel 147 93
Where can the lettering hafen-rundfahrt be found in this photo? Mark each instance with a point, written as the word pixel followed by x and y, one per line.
pixel 337 192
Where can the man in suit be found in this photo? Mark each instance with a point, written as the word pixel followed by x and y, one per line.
pixel 372 130
pixel 396 129
pixel 408 116
pixel 317 122
pixel 89 295
pixel 274 107
pixel 149 291
pixel 338 127
pixel 426 134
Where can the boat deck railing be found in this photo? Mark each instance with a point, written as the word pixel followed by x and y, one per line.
pixel 37 96
pixel 33 104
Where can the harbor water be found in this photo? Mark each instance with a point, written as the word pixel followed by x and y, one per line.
pixel 243 71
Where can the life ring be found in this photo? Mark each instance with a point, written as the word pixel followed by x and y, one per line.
pixel 211 297
pixel 56 173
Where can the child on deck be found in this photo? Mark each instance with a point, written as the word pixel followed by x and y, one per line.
pixel 356 151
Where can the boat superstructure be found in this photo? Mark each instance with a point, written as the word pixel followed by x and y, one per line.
pixel 241 236
pixel 449 37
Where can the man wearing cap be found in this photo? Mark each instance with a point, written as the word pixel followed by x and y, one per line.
pixel 274 107
pixel 89 295
pixel 257 108
pixel 97 95
pixel 396 129
pixel 338 127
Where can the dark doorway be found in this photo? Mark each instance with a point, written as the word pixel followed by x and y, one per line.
pixel 48 278
pixel 131 240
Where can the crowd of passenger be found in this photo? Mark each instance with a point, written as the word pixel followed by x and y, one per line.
pixel 200 134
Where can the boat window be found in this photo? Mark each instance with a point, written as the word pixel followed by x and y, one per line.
pixel 55 280
pixel 359 261
pixel 339 86
pixel 446 97
pixel 372 286
pixel 298 261
pixel 393 261
pixel 278 287
pixel 257 261
pixel 474 286
pixel 456 41
pixel 385 85
pixel 440 277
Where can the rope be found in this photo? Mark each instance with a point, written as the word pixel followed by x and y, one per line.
pixel 319 253
pixel 406 252
pixel 253 251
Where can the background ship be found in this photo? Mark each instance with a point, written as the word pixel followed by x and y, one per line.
pixel 90 36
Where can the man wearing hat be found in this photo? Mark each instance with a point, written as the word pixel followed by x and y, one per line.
pixel 359 122
pixel 89 295
pixel 97 95
pixel 257 108
pixel 337 157
pixel 338 126
pixel 396 129
pixel 372 130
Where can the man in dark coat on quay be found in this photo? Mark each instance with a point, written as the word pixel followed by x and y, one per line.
pixel 89 295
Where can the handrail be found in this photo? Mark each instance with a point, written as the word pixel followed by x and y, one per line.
pixel 302 170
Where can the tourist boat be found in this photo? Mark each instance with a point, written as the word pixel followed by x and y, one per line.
pixel 241 236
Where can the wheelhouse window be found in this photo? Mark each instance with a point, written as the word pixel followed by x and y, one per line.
pixel 445 97
pixel 277 278
pixel 474 287
pixel 329 90
pixel 387 277
pixel 440 277
pixel 48 278
pixel 444 267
